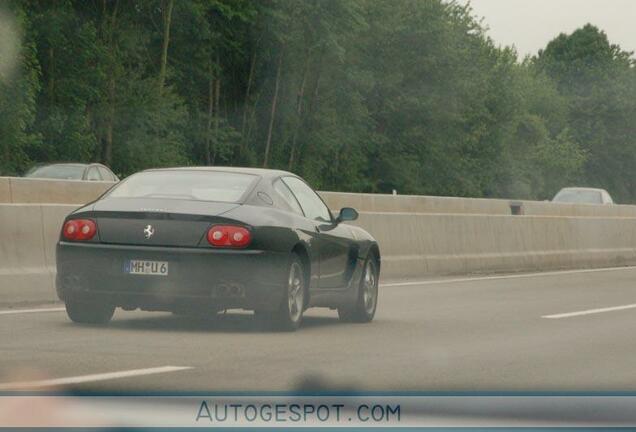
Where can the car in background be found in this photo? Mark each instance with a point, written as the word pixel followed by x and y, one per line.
pixel 199 240
pixel 73 171
pixel 580 195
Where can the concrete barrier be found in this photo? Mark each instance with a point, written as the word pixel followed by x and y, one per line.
pixel 542 208
pixel 25 190
pixel 28 233
pixel 38 191
pixel 455 205
pixel 413 245
pixel 419 236
pixel 420 245
pixel 5 190
pixel 414 203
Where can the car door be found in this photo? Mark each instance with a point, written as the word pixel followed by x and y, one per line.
pixel 333 240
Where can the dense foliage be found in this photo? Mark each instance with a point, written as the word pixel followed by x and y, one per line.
pixel 358 95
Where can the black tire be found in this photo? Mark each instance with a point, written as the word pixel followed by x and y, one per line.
pixel 89 312
pixel 289 315
pixel 363 310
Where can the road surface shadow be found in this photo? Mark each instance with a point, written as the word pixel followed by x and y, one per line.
pixel 224 323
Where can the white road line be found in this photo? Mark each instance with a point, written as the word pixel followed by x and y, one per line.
pixel 590 311
pixel 24 311
pixel 90 378
pixel 510 276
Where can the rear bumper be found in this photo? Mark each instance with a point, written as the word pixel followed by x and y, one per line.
pixel 197 277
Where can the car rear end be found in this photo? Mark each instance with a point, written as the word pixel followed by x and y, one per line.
pixel 162 253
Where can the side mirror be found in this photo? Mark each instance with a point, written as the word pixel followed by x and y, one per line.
pixel 347 214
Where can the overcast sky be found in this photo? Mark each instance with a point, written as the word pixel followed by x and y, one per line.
pixel 531 24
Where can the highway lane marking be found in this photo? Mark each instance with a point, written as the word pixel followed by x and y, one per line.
pixel 510 276
pixel 25 311
pixel 590 311
pixel 91 378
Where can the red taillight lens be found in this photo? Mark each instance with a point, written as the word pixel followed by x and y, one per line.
pixel 229 236
pixel 79 229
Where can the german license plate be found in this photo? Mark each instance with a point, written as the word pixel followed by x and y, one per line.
pixel 143 267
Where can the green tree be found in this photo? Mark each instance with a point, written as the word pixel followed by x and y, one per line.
pixel 19 84
pixel 360 95
pixel 597 79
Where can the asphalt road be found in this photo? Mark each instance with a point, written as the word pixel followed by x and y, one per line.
pixel 473 334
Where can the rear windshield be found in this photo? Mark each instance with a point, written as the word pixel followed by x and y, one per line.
pixel 578 196
pixel 188 185
pixel 65 172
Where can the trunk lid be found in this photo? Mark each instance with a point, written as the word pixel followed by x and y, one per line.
pixel 156 222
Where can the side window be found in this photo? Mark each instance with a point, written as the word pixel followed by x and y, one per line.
pixel 310 202
pixel 106 175
pixel 93 174
pixel 286 194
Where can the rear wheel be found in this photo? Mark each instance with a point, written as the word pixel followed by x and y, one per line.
pixel 289 315
pixel 89 312
pixel 367 301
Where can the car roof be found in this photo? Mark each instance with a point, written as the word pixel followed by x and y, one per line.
pixel 263 172
pixel 64 163
pixel 77 164
pixel 584 189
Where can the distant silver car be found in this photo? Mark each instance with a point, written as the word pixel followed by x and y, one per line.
pixel 579 195
pixel 73 171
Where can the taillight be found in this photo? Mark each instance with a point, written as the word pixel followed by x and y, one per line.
pixel 79 229
pixel 229 236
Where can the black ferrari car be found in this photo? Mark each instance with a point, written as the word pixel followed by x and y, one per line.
pixel 203 240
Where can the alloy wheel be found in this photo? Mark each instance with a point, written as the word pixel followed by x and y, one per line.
pixel 370 287
pixel 295 292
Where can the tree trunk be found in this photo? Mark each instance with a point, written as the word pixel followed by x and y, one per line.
pixel 217 108
pixel 107 151
pixel 208 130
pixel 51 74
pixel 251 121
pixel 250 79
pixel 113 20
pixel 299 112
pixel 268 144
pixel 167 20
pixel 307 113
pixel 110 120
